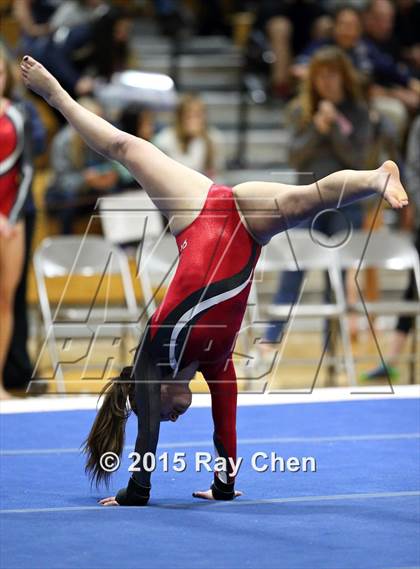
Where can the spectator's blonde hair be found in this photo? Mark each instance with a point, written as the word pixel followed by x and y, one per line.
pixel 333 58
pixel 184 139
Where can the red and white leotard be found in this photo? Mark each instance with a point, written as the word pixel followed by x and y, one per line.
pixel 204 306
pixel 12 191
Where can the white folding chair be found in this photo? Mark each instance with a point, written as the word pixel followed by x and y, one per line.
pixel 66 256
pixel 297 250
pixel 132 217
pixel 390 251
pixel 129 217
pixel 157 261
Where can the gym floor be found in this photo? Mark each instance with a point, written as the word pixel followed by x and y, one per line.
pixel 359 508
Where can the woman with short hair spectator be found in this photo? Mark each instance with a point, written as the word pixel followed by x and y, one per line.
pixel 329 130
pixel 190 140
pixel 379 20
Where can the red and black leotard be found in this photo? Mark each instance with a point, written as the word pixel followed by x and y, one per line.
pixel 199 320
pixel 203 308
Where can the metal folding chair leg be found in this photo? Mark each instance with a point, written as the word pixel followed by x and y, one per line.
pixel 347 351
pixel 51 345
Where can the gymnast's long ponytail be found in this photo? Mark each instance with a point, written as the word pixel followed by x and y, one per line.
pixel 108 430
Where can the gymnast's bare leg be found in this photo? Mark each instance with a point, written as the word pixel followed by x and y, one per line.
pixel 269 208
pixel 180 192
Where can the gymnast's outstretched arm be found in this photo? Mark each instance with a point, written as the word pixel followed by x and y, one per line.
pixel 179 192
pixel 221 380
pixel 147 379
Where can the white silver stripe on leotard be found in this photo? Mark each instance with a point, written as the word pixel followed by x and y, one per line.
pixel 192 313
pixel 27 177
pixel 17 120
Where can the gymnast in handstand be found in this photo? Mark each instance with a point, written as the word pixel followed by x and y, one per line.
pixel 219 231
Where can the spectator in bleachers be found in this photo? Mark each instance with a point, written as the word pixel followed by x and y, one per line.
pixel 379 26
pixel 169 16
pixel 329 130
pixel 178 17
pixel 80 176
pixel 407 30
pixel 190 140
pixel 138 120
pixel 15 182
pixel 405 324
pixel 81 40
pixel 95 28
pixel 211 18
pixel 379 21
pixel 34 17
pixel 18 367
pixel 289 26
pixel 393 88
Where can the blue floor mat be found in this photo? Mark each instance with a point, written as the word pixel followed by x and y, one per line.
pixel 360 509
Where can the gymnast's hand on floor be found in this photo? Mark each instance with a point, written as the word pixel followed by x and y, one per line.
pixel 208 494
pixel 135 494
pixel 111 501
